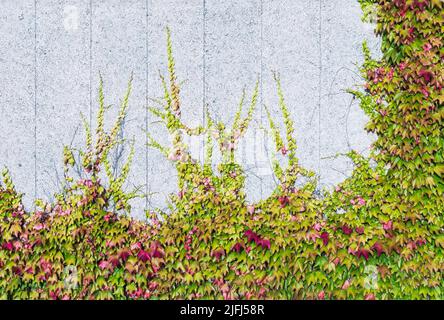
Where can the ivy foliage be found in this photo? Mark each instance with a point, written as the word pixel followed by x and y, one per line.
pixel 378 235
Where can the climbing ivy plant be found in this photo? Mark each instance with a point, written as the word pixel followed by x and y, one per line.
pixel 378 235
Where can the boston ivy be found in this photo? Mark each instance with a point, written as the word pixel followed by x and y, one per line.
pixel 378 235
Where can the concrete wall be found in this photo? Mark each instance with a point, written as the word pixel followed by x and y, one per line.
pixel 51 52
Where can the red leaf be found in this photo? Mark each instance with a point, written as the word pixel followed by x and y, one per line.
pixel 388 225
pixel 284 201
pixel 251 236
pixel 378 247
pixel 237 247
pixel 103 264
pixel 156 250
pixel 8 246
pixel 324 237
pixel 347 230
pixel 143 256
pixel 364 253
pixel 218 253
pixel 124 254
pixel 264 243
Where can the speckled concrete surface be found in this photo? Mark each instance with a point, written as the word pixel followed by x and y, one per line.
pixel 52 51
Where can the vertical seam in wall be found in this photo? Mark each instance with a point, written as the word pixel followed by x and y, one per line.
pixel 320 90
pixel 261 84
pixel 35 100
pixel 90 62
pixel 146 109
pixel 204 85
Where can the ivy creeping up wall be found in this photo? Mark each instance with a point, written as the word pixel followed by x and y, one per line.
pixel 378 235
